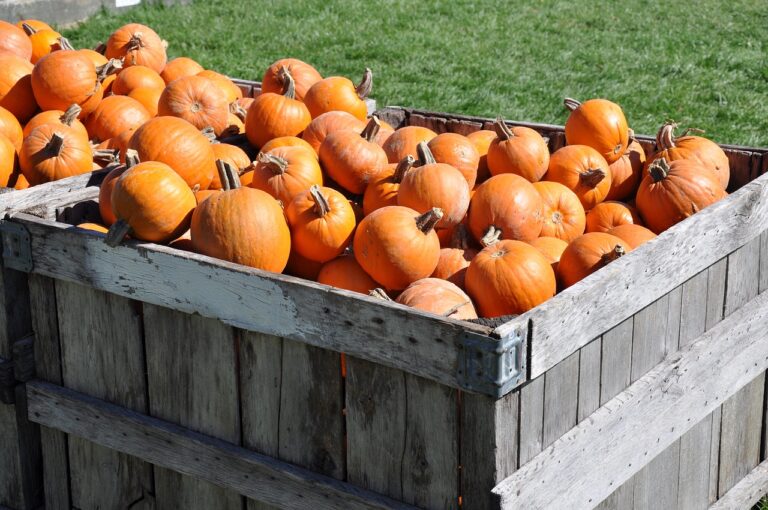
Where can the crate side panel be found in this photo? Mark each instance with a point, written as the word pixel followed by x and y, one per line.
pixel 656 485
pixel 531 419
pixel 616 367
pixel 589 378
pixel 561 391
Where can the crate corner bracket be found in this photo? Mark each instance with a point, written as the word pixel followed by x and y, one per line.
pixel 17 246
pixel 492 366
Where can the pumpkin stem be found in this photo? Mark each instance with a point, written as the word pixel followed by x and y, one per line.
pixel 117 232
pixel 592 178
pixel 371 129
pixel 209 133
pixel 64 44
pixel 460 238
pixel 427 221
pixel 135 42
pixel 612 255
pixel 28 29
pixel 114 65
pixel 100 48
pixel 322 207
pixel 455 308
pixel 425 155
pixel 380 293
pixel 55 145
pixel 104 157
pixel 289 85
pixel 665 138
pixel 631 136
pixel 571 103
pixel 659 170
pixel 366 84
pixel 71 114
pixel 402 168
pixel 131 158
pixel 230 180
pixel 502 130
pixel 693 130
pixel 238 111
pixel 277 164
pixel 491 237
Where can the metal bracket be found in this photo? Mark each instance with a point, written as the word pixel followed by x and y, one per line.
pixel 17 246
pixel 492 366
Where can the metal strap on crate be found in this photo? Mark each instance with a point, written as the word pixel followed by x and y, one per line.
pixel 492 366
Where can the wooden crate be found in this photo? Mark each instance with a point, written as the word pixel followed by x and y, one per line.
pixel 172 380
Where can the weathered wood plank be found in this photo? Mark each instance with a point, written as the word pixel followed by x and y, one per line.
pixel 693 315
pixel 654 412
pixel 192 381
pixel 560 325
pixel 396 336
pixel 44 199
pixel 649 337
pixel 531 420
pixel 747 492
pixel 102 355
pixel 589 379
pixel 743 276
pixel 675 302
pixel 763 262
pixel 616 368
pixel 656 485
pixel 714 453
pixel 716 279
pixel 693 480
pixel 621 499
pixel 561 393
pixel 190 453
pixel 11 492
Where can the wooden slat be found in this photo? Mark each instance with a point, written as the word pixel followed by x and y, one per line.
pixel 763 261
pixel 561 392
pixel 531 419
pixel 589 379
pixel 395 335
pixel 192 381
pixel 203 457
pixel 44 199
pixel 620 499
pixel 560 326
pixel 649 337
pixel 656 485
pixel 616 369
pixel 716 281
pixel 102 355
pixel 601 453
pixel 747 492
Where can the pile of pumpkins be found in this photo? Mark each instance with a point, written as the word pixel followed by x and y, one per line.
pixel 489 224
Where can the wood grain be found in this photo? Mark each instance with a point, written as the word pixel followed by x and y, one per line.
pixel 531 419
pixel 589 378
pixel 747 492
pixel 616 368
pixel 561 392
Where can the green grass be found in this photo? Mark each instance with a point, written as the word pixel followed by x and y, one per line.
pixel 704 64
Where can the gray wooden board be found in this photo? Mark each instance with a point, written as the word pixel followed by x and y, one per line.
pixel 693 479
pixel 561 392
pixel 616 367
pixel 11 493
pixel 714 454
pixel 531 419
pixel 209 459
pixel 560 326
pixel 621 499
pixel 649 337
pixel 716 279
pixel 589 378
pixel 763 261
pixel 44 199
pixel 747 492
pixel 102 355
pixel 396 336
pixel 656 485
pixel 192 381
pixel 654 412
pixel 693 316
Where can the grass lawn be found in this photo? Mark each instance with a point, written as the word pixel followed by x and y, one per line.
pixel 703 65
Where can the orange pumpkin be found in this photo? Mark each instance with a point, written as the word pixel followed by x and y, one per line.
pixel 304 75
pixel 10 127
pixel 600 124
pixel 62 78
pixel 439 297
pixel 105 191
pixel 120 142
pixel 273 115
pixel 231 91
pixel 383 191
pixel 149 97
pixel 301 267
pixel 587 254
pixel 518 150
pixel 138 45
pixel 403 142
pixel 97 58
pixel 564 216
pixel 16 94
pixel 396 246
pixel 633 235
pixel 455 259
pixel 339 94
pixel 114 115
pixel 551 247
pixel 321 222
pixel 52 152
pixel 43 41
pixel 180 67
pixel 285 172
pixel 509 277
pixel 626 172
pixel 9 164
pixel 606 215
pixel 13 40
pixel 345 273
pixel 67 118
pixel 482 140
pixel 327 123
pixel 232 155
pixel 287 141
pixel 131 78
pixel 459 152
pixel 34 23
pixel 198 101
pixel 582 170
pixel 95 227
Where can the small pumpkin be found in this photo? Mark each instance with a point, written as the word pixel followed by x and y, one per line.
pixel 43 41
pixel 131 78
pixel 459 152
pixel 114 115
pixel 303 74
pixel 52 152
pixel 285 172
pixel 403 142
pixel 149 97
pixel 16 94
pixel 273 115
pixel 34 23
pixel 482 140
pixel 345 273
pixel 633 235
pixel 353 160
pixel 9 164
pixel 231 154
pixel 62 78
pixel 108 184
pixel 327 123
pixel 606 215
pixel 197 100
pixel 339 94
pixel 582 170
pixel 137 45
pixel 10 127
pixel 383 191
pixel 66 118
pixel 672 191
pixel 13 40
pixel 287 141
pixel 180 67
pixel 597 123
pixel 518 150
pixel 626 172
pixel 551 247
pixel 97 58
pixel 509 277
pixel 302 267
pixel 230 89
pixel 455 259
pixel 440 297
pixel 587 254
pixel 396 245
pixel 563 213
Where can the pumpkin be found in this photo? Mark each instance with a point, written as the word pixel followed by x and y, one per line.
pixel 454 260
pixel 633 235
pixel 34 23
pixel 518 150
pixel 345 273
pixel 9 164
pixel 509 277
pixel 482 140
pixel 180 67
pixel 286 171
pixel 43 41
pixel 245 103
pixel 52 152
pixel 587 254
pixel 506 206
pixel 459 152
pixel 321 222
pixel 62 78
pixel 383 191
pixel 626 172
pixel 149 97
pixel 13 40
pixel 339 94
pixel 672 191
pixel 139 45
pixel 16 94
pixel 197 100
pixel 273 115
pixel 384 133
pixel 440 297
pixel 435 185
pixel 94 227
pixel 597 123
pixel 178 144
pixel 396 246
pixel 551 247
pixel 403 142
pixel 107 185
pixel 10 127
pixel 120 142
pixel 582 170
pixel 231 91
pixel 353 160
pixel 232 155
pixel 606 215
pixel 67 118
pixel 242 225
pixel 131 78
pixel 287 141
pixel 114 115
pixel 97 58
pixel 327 123
pixel 303 74
pixel 303 268
pixel 152 203
pixel 563 213
pixel 691 147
